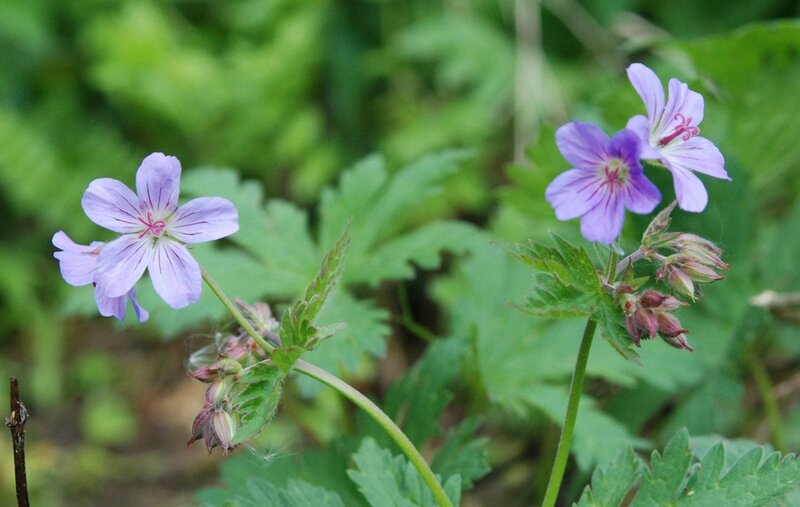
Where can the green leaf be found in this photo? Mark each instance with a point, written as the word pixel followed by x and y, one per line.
pixel 611 324
pixel 257 402
pixel 611 483
pixel 523 364
pixel 296 326
pixel 462 454
pixel 391 481
pixel 569 285
pixel 418 399
pixel 661 483
pixel 261 493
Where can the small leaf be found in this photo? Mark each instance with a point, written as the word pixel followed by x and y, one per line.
pixel 611 483
pixel 257 403
pixel 391 481
pixel 261 493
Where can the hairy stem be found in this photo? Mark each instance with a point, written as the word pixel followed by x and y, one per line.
pixel 228 304
pixel 628 262
pixel 348 392
pixel 575 390
pixel 383 420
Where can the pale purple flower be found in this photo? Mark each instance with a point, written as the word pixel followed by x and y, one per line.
pixel 670 133
pixel 606 179
pixel 154 231
pixel 78 265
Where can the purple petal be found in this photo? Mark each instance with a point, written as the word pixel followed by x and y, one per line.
pixel 110 307
pixel 158 184
pixel 574 192
pixel 626 145
pixel 122 262
pixel 175 274
pixel 582 144
pixel 691 193
pixel 141 314
pixel 641 195
pixel 204 219
pixel 683 101
pixel 697 154
pixel 641 126
pixel 110 204
pixel 649 88
pixel 603 223
pixel 77 262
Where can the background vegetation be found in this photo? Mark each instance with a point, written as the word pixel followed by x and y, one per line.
pixel 424 121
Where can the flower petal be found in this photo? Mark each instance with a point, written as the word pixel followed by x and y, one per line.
pixel 683 101
pixel 641 126
pixel 110 307
pixel 175 274
pixel 158 184
pixel 110 204
pixel 141 314
pixel 122 262
pixel 603 223
pixel 649 88
pixel 77 262
pixel 641 195
pixel 204 219
pixel 582 144
pixel 697 154
pixel 689 190
pixel 574 192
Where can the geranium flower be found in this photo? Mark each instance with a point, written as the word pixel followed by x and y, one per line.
pixel 154 231
pixel 606 179
pixel 78 265
pixel 670 133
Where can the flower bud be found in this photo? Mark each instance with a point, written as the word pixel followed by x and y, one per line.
pixel 700 273
pixel 681 282
pixel 669 325
pixel 646 321
pixel 224 429
pixel 679 342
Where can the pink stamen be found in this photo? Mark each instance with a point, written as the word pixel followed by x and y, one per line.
pixel 684 129
pixel 612 177
pixel 156 228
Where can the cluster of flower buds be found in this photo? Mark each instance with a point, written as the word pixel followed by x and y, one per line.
pixel 650 314
pixel 695 261
pixel 219 366
pixel 215 424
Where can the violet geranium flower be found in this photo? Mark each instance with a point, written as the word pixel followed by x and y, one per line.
pixel 670 133
pixel 607 178
pixel 154 231
pixel 78 265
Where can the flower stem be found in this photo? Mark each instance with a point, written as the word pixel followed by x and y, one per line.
pixel 348 392
pixel 228 304
pixel 575 390
pixel 765 389
pixel 383 420
pixel 565 442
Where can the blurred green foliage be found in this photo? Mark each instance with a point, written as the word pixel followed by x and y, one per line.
pixel 292 93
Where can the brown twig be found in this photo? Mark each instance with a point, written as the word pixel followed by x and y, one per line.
pixel 16 422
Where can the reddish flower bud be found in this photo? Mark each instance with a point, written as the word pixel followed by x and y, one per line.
pixel 679 342
pixel 669 325
pixel 224 429
pixel 646 321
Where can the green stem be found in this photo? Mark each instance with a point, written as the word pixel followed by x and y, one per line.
pixel 764 385
pixel 383 420
pixel 348 392
pixel 575 390
pixel 565 442
pixel 228 304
